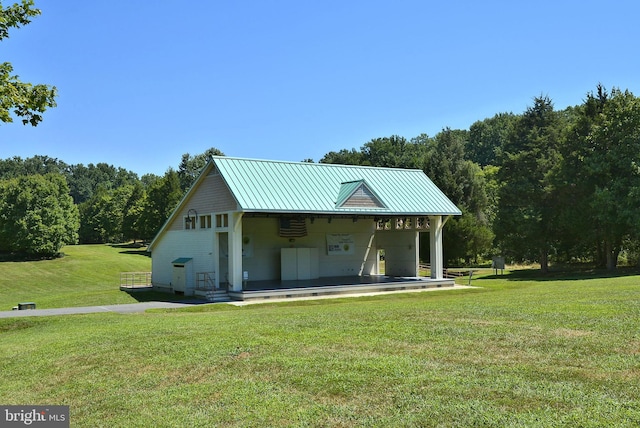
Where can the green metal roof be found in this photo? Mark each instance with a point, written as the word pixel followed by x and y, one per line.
pixel 302 187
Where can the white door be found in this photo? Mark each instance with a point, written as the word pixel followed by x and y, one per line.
pixel 179 278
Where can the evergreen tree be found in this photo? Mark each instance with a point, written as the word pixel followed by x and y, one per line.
pixel 463 182
pixel 526 225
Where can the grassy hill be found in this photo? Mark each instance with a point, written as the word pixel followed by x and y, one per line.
pixel 520 350
pixel 88 275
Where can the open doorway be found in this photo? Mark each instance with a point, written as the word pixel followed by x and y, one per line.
pixel 223 260
pixel 380 261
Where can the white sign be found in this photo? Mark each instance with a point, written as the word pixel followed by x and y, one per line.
pixel 340 244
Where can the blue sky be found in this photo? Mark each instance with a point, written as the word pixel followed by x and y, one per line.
pixel 141 83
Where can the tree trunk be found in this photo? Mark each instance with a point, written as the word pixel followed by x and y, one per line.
pixel 601 255
pixel 612 256
pixel 544 261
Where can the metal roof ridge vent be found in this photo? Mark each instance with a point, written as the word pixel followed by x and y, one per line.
pixel 357 194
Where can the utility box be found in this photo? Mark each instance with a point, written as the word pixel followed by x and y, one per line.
pixel 182 280
pixel 299 263
pixel 26 305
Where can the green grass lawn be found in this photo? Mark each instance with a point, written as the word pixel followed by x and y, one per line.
pixel 88 275
pixel 518 351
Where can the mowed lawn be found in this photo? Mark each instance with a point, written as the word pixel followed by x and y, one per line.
pixel 518 351
pixel 87 275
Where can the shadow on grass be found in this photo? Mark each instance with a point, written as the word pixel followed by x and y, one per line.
pixel 157 296
pixel 129 245
pixel 136 248
pixel 22 257
pixel 563 274
pixel 137 252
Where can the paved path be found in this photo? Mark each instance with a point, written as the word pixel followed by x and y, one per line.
pixel 143 306
pixel 121 309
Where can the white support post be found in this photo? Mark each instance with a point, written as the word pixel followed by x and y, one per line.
pixel 435 241
pixel 416 251
pixel 235 251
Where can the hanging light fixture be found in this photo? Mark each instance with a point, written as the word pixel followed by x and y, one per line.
pixel 188 219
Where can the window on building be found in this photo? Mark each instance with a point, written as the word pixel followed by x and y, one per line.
pixel 222 220
pixel 205 222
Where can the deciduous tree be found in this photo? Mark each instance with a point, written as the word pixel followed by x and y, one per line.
pixel 394 152
pixel 190 166
pixel 344 157
pixel 162 197
pixel 131 224
pixel 102 216
pixel 486 138
pixel 18 98
pixel 601 174
pixel 37 215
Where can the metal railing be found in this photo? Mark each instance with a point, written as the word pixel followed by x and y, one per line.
pixel 450 273
pixel 135 279
pixel 205 281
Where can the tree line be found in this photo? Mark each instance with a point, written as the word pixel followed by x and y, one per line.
pixel 546 186
pixel 46 203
